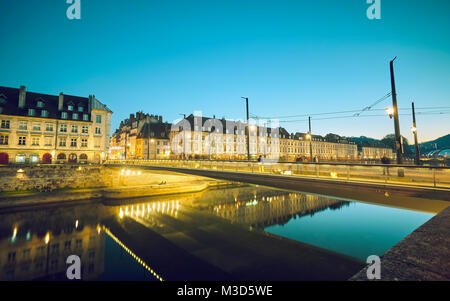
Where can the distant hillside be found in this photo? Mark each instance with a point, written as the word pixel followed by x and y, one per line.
pixel 367 142
pixel 439 143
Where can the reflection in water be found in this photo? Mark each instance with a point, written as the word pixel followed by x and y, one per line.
pixel 31 252
pixel 264 211
pixel 34 245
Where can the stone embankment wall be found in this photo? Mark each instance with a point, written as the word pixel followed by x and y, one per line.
pixel 51 177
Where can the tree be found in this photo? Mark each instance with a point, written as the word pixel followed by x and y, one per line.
pixel 389 141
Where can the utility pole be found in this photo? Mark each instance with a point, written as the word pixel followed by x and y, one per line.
pixel 414 130
pixel 248 129
pixel 310 139
pixel 126 143
pixel 398 137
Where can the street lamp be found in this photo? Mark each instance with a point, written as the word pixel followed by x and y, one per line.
pixel 248 134
pixel 414 130
pixel 390 112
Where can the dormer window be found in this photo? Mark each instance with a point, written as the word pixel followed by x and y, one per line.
pixel 64 115
pixel 2 100
pixel 44 113
pixel 70 107
pixel 85 117
pixel 80 109
pixel 75 116
pixel 31 112
pixel 40 104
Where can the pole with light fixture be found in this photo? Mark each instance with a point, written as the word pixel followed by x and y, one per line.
pixel 248 129
pixel 309 136
pixel 394 112
pixel 414 130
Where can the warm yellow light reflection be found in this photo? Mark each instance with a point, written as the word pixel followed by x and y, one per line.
pixel 47 238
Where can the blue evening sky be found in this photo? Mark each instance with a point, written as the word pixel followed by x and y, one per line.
pixel 289 57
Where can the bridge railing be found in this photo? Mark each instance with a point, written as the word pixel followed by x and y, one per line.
pixel 438 177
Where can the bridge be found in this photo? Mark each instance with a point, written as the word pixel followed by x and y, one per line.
pixel 342 180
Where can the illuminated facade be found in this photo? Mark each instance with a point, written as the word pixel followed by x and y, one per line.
pixel 376 153
pixel 224 139
pixel 41 128
pixel 142 136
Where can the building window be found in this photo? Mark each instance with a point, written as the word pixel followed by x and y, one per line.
pixel 97 131
pixel 5 124
pixel 11 257
pixel 75 116
pixel 85 117
pixel 84 142
pixel 73 142
pixel 74 128
pixel 44 113
pixel 62 142
pixel 98 118
pixel 70 107
pixel 31 112
pixel 80 109
pixel 40 104
pixel 35 141
pixel 36 126
pixel 3 140
pixel 48 141
pixel 85 129
pixel 22 140
pixel 23 125
pixel 64 115
pixel 20 158
pixel 63 128
pixel 49 127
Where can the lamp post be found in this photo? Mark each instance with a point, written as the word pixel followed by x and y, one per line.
pixel 398 137
pixel 248 129
pixel 414 130
pixel 309 136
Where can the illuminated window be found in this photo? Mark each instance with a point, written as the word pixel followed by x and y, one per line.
pixel 48 141
pixel 3 140
pixel 62 142
pixel 35 141
pixel 5 124
pixel 22 140
pixel 85 129
pixel 49 127
pixel 70 107
pixel 36 126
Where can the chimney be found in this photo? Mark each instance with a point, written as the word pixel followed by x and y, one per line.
pixel 22 97
pixel 61 102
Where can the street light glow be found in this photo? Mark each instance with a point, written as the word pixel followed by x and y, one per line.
pixel 390 112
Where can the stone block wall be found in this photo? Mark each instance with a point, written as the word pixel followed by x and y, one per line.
pixel 51 177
